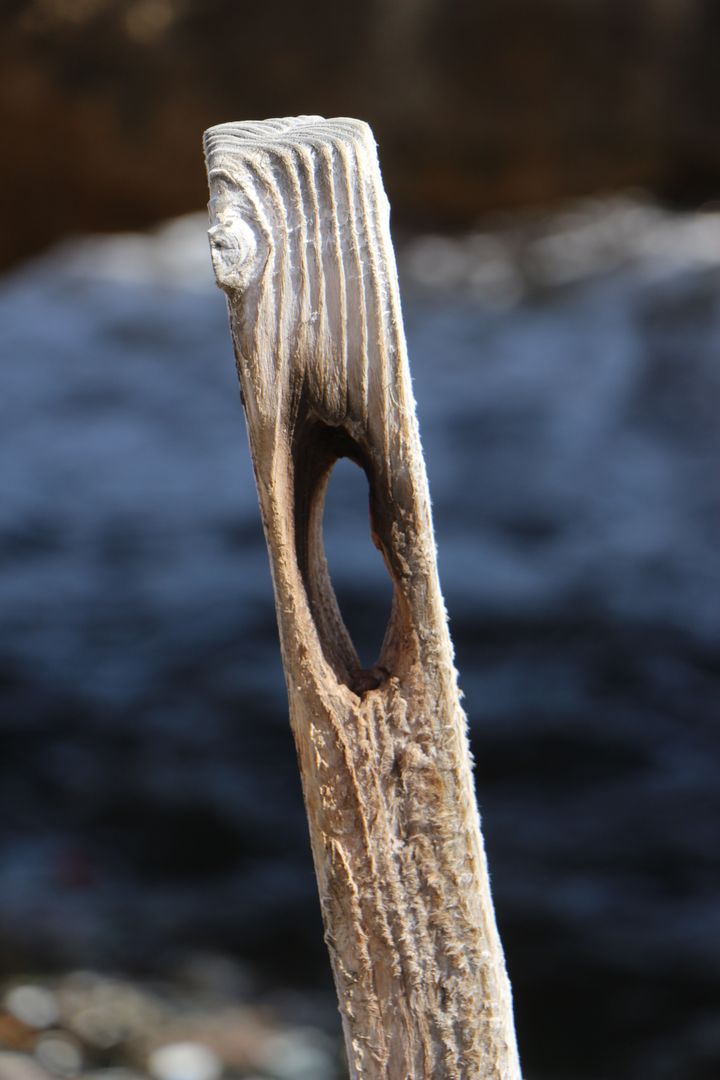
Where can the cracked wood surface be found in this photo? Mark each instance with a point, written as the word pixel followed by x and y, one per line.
pixel 301 245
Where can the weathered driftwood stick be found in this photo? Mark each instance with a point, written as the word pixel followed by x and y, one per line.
pixel 300 243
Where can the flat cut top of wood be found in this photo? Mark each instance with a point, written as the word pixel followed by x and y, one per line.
pixel 251 139
pixel 292 130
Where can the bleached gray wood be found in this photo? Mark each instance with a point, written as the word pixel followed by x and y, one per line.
pixel 301 245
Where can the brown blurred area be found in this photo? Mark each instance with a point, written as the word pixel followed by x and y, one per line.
pixel 475 105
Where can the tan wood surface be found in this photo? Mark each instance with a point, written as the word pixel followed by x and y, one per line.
pixel 301 245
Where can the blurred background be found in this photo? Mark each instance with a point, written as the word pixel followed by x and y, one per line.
pixel 554 171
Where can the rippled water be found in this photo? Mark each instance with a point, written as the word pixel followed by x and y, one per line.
pixel 567 373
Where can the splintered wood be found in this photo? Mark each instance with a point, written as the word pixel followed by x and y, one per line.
pixel 301 245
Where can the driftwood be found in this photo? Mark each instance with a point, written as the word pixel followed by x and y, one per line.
pixel 300 243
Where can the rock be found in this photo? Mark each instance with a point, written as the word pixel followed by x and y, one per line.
pixel 33 1005
pixel 59 1053
pixel 21 1067
pixel 300 1054
pixel 184 1061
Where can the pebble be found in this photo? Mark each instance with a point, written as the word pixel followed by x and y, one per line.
pixel 20 1067
pixel 184 1061
pixel 298 1055
pixel 59 1054
pixel 33 1005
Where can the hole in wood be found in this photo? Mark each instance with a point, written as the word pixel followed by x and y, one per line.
pixel 360 579
pixel 317 447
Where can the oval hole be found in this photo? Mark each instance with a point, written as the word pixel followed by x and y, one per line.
pixel 360 579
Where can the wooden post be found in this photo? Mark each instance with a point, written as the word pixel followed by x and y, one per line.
pixel 301 245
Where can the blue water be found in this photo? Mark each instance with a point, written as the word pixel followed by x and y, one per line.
pixel 567 374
